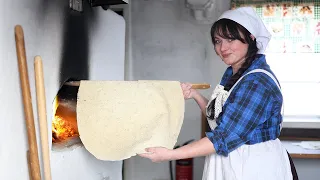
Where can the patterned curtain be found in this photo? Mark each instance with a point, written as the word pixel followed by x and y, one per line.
pixel 294 25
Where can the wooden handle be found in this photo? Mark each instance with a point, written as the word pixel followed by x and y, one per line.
pixel 200 86
pixel 42 116
pixel 27 102
pixel 194 85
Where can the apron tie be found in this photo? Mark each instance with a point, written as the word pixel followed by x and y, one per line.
pixel 220 96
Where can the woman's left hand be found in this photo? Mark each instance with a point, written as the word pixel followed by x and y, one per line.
pixel 158 154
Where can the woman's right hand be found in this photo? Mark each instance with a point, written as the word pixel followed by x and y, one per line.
pixel 188 92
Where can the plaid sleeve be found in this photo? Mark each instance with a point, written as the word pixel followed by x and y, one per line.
pixel 242 113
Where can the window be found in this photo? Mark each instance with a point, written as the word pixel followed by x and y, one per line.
pixel 294 56
pixel 299 77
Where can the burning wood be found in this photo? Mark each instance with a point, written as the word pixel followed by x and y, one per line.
pixel 64 123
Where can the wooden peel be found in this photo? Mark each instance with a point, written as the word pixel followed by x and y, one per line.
pixel 33 158
pixel 42 116
pixel 194 85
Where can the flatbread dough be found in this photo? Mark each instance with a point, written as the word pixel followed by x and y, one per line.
pixel 119 119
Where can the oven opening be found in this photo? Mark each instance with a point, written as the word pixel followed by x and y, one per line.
pixel 64 123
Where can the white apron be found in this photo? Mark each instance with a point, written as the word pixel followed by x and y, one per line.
pixel 262 161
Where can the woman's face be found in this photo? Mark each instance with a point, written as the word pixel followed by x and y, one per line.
pixel 231 51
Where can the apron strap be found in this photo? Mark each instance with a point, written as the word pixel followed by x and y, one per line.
pixel 258 70
pixel 271 76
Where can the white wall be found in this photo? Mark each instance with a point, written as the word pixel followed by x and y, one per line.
pixel 43 25
pixel 166 43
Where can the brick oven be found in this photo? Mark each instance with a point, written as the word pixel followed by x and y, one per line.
pixel 92 53
pixel 82 45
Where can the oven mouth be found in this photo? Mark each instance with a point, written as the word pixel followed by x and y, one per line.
pixel 64 121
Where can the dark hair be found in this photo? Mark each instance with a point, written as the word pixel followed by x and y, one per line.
pixel 230 29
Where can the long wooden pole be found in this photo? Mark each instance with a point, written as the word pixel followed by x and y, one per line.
pixel 27 102
pixel 193 85
pixel 42 116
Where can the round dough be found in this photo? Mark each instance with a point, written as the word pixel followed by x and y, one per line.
pixel 118 119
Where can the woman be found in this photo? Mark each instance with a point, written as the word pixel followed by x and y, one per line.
pixel 244 112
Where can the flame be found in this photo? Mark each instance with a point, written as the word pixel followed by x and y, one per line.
pixel 64 123
pixel 55 105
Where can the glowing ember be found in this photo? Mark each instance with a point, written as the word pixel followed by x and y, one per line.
pixel 62 129
pixel 64 123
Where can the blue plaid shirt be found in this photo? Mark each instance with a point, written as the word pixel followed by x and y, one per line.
pixel 252 112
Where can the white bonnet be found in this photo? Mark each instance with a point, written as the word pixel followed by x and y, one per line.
pixel 248 18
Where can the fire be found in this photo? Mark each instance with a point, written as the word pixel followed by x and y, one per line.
pixel 64 123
